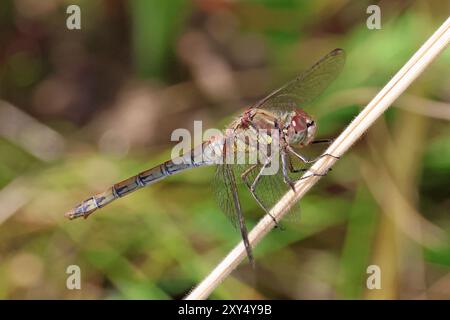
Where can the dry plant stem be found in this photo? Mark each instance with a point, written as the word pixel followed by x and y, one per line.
pixel 410 71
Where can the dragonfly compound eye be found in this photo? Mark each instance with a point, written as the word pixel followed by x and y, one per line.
pixel 299 123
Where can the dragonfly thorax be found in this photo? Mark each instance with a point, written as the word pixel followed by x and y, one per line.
pixel 301 129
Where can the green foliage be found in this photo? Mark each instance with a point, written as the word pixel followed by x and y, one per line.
pixel 159 242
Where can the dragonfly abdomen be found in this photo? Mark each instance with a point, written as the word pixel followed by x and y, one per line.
pixel 145 178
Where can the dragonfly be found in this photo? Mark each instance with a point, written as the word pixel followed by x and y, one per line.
pixel 277 120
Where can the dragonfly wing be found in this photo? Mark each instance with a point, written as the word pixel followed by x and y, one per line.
pixel 271 188
pixel 222 192
pixel 228 199
pixel 307 86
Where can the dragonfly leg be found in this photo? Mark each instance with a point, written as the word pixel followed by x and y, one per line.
pixel 291 166
pixel 327 141
pixel 252 188
pixel 292 169
pixel 297 170
pixel 314 175
pixel 305 160
pixel 284 167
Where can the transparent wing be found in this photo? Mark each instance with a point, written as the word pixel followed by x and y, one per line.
pixel 228 199
pixel 271 188
pixel 307 86
pixel 227 177
pixel 223 193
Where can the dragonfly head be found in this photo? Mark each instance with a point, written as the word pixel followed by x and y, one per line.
pixel 301 129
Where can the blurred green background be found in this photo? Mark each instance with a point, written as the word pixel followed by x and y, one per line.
pixel 83 109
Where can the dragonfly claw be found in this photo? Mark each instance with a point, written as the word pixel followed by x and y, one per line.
pixel 292 185
pixel 333 156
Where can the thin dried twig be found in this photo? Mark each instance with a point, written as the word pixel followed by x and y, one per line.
pixel 410 71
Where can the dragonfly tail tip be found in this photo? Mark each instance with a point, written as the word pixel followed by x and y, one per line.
pixel 70 215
